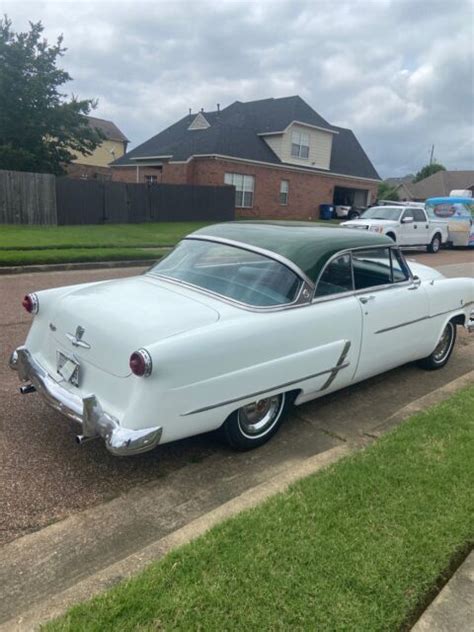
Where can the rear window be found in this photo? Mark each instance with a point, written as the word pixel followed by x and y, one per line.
pixel 232 272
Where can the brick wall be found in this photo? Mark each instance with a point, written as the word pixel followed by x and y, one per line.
pixel 306 190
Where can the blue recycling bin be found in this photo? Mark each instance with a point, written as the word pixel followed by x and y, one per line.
pixel 326 211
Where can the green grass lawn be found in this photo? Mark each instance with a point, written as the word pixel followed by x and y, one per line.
pixel 360 546
pixel 77 255
pixel 26 245
pixel 97 236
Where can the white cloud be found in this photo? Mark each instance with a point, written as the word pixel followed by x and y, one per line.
pixel 398 72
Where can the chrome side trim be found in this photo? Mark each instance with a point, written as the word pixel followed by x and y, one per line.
pixel 261 251
pixel 334 370
pixel 87 411
pixel 419 320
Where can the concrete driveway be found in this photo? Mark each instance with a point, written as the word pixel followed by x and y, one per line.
pixel 45 476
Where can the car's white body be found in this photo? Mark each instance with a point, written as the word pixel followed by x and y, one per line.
pixel 416 233
pixel 212 356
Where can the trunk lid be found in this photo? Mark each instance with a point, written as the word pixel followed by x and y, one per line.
pixel 110 320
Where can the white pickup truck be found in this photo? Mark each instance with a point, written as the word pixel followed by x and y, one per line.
pixel 406 225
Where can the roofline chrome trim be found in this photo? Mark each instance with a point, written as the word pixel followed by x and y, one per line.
pixel 260 251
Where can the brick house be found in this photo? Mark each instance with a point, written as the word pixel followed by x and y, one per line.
pixel 283 158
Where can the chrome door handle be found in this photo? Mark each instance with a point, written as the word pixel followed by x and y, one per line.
pixel 366 299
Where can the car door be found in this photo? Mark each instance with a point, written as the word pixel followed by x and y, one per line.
pixel 394 311
pixel 407 235
pixel 333 322
pixel 421 227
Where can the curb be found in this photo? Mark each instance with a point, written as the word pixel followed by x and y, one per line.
pixel 84 265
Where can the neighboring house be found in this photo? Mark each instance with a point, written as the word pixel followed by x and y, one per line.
pixel 440 184
pixel 283 158
pixel 112 147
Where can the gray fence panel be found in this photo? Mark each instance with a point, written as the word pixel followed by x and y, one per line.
pixel 80 201
pixel 116 202
pixel 27 198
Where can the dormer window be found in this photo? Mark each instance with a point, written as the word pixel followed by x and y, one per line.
pixel 299 144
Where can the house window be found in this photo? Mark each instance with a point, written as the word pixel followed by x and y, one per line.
pixel 284 192
pixel 151 179
pixel 299 144
pixel 244 188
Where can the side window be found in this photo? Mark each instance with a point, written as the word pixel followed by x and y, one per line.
pixel 336 278
pixel 419 215
pixel 399 268
pixel 408 213
pixel 371 267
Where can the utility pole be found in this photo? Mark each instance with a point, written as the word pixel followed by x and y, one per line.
pixel 431 155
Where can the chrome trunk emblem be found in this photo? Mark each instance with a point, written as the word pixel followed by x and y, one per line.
pixel 77 338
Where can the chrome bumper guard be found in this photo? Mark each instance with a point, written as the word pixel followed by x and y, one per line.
pixel 87 411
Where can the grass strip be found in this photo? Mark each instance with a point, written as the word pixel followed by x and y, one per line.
pixel 99 236
pixel 32 257
pixel 359 546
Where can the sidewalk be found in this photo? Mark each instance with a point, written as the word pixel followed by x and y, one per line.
pixel 453 608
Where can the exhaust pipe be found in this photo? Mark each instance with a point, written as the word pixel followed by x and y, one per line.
pixel 27 388
pixel 81 439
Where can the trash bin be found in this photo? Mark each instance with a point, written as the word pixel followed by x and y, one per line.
pixel 326 211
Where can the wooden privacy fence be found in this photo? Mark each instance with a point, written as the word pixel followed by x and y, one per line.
pixel 27 198
pixel 99 202
pixel 30 198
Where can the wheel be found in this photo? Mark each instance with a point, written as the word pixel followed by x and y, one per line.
pixel 443 349
pixel 435 244
pixel 353 215
pixel 392 236
pixel 254 424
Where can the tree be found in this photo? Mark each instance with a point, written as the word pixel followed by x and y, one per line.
pixel 40 130
pixel 387 191
pixel 428 170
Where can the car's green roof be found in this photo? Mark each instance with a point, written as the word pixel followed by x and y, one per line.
pixel 306 244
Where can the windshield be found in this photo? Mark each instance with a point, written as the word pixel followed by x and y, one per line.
pixel 232 272
pixel 383 212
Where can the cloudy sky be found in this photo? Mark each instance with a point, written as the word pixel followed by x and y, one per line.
pixel 397 72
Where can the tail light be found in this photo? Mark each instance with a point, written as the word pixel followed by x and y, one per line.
pixel 30 303
pixel 140 363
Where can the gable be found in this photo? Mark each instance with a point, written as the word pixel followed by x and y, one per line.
pixel 199 122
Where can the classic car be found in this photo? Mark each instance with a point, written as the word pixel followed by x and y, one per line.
pixel 407 225
pixel 239 321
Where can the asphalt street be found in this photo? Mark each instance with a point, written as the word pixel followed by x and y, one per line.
pixel 45 476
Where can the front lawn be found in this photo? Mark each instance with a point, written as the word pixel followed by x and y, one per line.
pixel 96 236
pixel 360 546
pixel 76 255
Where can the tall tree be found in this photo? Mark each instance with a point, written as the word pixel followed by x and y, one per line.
pixel 428 170
pixel 40 129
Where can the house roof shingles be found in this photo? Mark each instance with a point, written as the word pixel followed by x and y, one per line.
pixel 108 129
pixel 235 131
pixel 441 183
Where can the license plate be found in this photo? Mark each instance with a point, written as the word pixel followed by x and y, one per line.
pixel 68 368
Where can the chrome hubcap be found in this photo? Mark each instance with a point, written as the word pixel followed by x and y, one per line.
pixel 444 344
pixel 259 417
pixel 436 245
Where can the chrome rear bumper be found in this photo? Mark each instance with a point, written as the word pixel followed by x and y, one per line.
pixel 87 411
